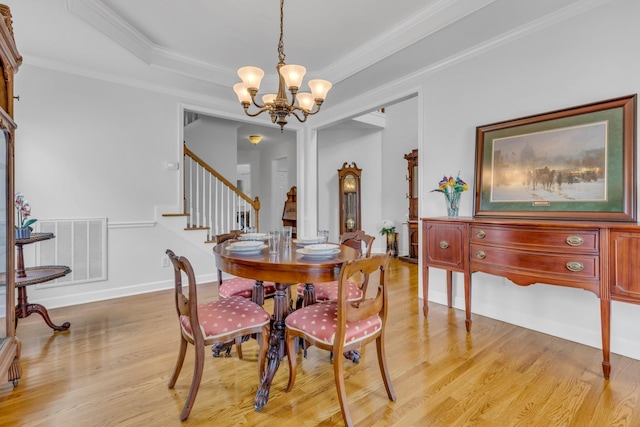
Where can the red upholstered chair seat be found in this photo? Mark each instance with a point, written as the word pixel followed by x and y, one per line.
pixel 320 320
pixel 328 291
pixel 224 317
pixel 239 286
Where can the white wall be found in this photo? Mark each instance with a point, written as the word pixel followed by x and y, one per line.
pixel 382 150
pixel 399 137
pixel 335 147
pixel 215 142
pixel 87 148
pixel 269 153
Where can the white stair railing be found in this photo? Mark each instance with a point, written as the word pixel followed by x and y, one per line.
pixel 212 202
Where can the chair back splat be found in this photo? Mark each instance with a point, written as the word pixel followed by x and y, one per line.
pixel 235 317
pixel 341 326
pixel 355 239
pixel 328 290
pixel 256 290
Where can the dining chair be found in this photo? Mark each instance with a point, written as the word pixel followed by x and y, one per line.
pixel 205 324
pixel 328 291
pixel 342 326
pixel 256 290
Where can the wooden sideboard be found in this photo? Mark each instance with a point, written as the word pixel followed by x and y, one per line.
pixel 595 256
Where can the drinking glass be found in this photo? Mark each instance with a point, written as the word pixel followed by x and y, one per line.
pixel 287 231
pixel 274 242
pixel 323 235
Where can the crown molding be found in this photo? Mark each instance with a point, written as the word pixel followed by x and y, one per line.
pixel 99 16
pixel 435 17
pixel 102 18
pixel 164 59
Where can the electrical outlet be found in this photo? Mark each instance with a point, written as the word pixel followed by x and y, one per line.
pixel 164 261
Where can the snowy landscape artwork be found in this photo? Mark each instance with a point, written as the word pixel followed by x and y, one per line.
pixel 567 164
pixel 575 163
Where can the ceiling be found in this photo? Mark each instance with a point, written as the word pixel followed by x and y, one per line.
pixel 194 47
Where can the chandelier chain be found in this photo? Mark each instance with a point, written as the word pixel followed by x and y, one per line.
pixel 281 54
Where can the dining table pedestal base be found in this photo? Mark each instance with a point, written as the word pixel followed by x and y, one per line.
pixel 276 349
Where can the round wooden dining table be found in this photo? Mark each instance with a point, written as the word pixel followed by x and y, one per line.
pixel 285 268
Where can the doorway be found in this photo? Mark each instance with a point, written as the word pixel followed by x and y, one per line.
pixel 279 189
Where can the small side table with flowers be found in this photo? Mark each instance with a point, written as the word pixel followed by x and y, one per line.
pixel 388 228
pixel 32 275
pixel 23 222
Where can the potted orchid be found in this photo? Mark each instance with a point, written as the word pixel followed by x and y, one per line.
pixel 23 224
pixel 452 188
pixel 388 228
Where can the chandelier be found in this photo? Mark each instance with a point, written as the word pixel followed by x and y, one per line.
pixel 290 76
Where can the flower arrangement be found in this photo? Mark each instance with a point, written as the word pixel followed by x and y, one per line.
pixel 452 188
pixel 24 212
pixel 387 227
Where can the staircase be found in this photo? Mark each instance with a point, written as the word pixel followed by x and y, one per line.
pixel 212 205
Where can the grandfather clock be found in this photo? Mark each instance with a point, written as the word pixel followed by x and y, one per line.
pixel 349 183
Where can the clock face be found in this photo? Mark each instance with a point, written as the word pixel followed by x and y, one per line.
pixel 349 184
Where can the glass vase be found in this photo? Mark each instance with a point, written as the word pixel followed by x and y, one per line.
pixel 22 233
pixel 453 203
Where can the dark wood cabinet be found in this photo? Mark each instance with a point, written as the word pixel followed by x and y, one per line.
pixel 10 60
pixel 445 245
pixel 412 197
pixel 625 268
pixel 349 190
pixel 595 256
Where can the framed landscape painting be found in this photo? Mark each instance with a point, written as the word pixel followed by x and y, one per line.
pixel 577 163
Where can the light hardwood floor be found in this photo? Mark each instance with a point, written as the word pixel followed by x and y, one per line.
pixel 111 369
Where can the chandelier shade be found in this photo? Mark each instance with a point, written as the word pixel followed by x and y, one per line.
pixel 290 77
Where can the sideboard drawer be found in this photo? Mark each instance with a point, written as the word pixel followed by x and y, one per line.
pixel 562 267
pixel 544 239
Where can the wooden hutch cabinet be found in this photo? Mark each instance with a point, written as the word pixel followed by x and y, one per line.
pixel 599 257
pixel 10 60
pixel 412 196
pixel 349 190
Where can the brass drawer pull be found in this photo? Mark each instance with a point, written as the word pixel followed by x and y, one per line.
pixel 574 240
pixel 481 234
pixel 444 244
pixel 575 266
pixel 481 255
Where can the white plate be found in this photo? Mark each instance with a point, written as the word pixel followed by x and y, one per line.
pixel 314 255
pixel 252 236
pixel 307 240
pixel 322 248
pixel 245 245
pixel 246 250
